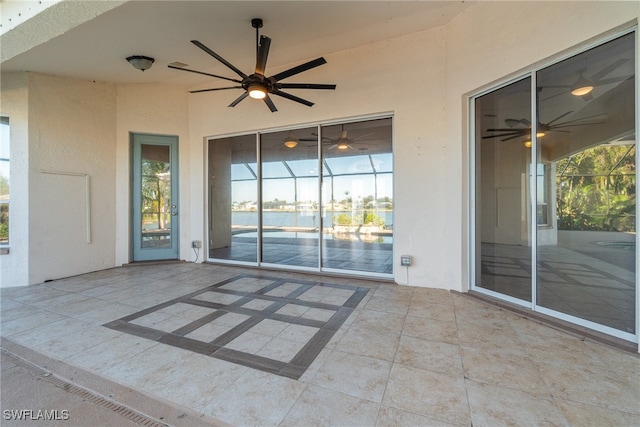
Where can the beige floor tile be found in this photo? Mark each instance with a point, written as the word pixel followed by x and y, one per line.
pixel 65 346
pixel 493 405
pixel 318 406
pixel 432 296
pixel 386 323
pixel 390 304
pixel 432 394
pixel 490 336
pixel 358 376
pixel 430 330
pixel 256 399
pixel 49 331
pixel 592 385
pixel 440 312
pixel 581 414
pixel 24 323
pixel 279 349
pixel 111 352
pixel 430 355
pixel 504 369
pixel 368 342
pixel 249 342
pixel 389 416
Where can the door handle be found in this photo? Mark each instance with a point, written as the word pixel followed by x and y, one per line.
pixel 174 213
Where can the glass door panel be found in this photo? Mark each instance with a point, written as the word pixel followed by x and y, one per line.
pixel 233 199
pixel 154 197
pixel 586 175
pixel 357 196
pixel 290 203
pixel 502 159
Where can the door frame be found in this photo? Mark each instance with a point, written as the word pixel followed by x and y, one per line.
pixel 139 254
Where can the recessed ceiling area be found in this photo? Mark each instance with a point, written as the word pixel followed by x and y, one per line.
pixel 96 48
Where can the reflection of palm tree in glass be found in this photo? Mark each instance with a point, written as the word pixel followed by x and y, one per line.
pixel 156 195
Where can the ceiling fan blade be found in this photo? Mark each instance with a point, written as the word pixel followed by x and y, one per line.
pixel 576 124
pixel 507 130
pixel 305 86
pixel 292 97
pixel 204 74
pixel 559 117
pixel 215 88
pixel 299 69
pixel 238 99
pixel 270 104
pixel 503 134
pixel 612 80
pixel 219 58
pixel 360 137
pixel 606 70
pixel 513 137
pixel 263 53
pixel 580 119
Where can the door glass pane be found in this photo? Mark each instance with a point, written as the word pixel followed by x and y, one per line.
pixel 586 251
pixel 502 159
pixel 156 196
pixel 357 196
pixel 233 199
pixel 290 219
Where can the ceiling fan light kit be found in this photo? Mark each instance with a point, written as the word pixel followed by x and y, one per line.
pixel 257 85
pixel 290 141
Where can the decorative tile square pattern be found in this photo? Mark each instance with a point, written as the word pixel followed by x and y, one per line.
pixel 271 324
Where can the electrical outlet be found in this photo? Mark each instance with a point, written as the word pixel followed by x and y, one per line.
pixel 405 260
pixel 196 244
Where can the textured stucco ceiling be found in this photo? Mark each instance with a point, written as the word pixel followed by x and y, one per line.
pixel 90 40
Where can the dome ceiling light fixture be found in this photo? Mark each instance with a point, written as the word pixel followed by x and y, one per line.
pixel 290 141
pixel 257 85
pixel 140 62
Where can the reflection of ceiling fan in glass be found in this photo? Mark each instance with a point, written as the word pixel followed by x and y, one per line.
pixel 343 142
pixel 518 128
pixel 584 85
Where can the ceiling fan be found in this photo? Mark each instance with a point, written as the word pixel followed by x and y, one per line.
pixel 515 130
pixel 257 85
pixel 583 86
pixel 341 143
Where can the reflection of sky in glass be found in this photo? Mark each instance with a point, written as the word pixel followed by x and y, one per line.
pixel 242 172
pixel 274 170
pixel 359 181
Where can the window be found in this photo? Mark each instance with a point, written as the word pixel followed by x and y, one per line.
pixel 4 181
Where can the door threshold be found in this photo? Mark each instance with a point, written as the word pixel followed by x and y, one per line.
pixel 154 262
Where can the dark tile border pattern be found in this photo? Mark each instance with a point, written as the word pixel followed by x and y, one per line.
pixel 216 348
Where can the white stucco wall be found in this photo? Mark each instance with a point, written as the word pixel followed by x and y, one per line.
pixel 71 133
pixel 160 110
pixel 14 267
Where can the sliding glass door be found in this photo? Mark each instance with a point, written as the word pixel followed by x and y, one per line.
pixel 561 195
pixel 290 214
pixel 586 156
pixel 315 198
pixel 503 155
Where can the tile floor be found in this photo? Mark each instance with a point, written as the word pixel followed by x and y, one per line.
pixel 401 356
